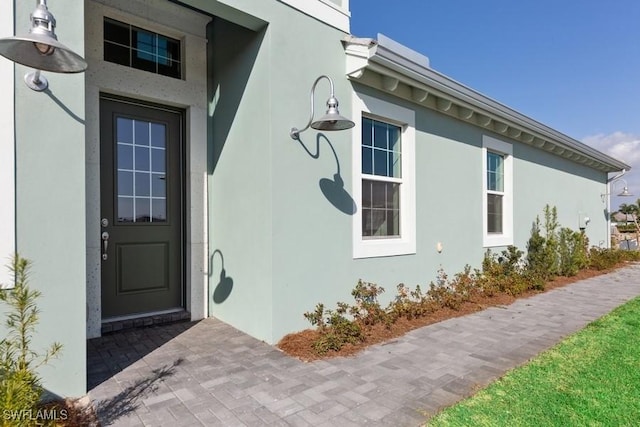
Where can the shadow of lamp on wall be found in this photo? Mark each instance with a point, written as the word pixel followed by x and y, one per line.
pixel 334 189
pixel 225 283
pixel 40 49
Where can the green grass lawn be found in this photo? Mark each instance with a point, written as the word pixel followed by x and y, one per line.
pixel 590 379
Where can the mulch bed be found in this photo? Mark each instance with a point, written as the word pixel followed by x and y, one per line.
pixel 300 344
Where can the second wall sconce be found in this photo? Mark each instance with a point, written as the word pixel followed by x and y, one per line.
pixel 332 120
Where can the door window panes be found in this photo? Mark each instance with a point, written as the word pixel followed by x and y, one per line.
pixel 141 171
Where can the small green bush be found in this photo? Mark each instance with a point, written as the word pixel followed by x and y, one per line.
pixel 560 251
pixel 20 385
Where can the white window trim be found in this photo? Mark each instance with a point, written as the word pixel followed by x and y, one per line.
pixel 405 118
pixel 506 237
pixel 7 150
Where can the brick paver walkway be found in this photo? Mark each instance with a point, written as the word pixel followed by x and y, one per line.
pixel 207 373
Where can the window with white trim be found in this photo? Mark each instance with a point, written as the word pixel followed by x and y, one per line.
pixel 384 178
pixel 497 183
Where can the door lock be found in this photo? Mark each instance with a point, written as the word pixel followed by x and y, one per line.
pixel 104 222
pixel 105 245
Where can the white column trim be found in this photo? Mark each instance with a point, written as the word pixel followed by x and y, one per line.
pixel 7 148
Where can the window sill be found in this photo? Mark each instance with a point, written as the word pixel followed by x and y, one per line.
pixel 383 247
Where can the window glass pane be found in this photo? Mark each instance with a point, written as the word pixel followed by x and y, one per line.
pixel 171 69
pixel 142 133
pixel 379 194
pixel 142 184
pixel 117 54
pixel 380 135
pixel 159 210
pixel 395 167
pixel 393 223
pixel 367 229
pixel 366 193
pixel 495 171
pixel 125 209
pixel 367 160
pixel 378 223
pixel 143 63
pixel 168 49
pixel 380 162
pixel 158 185
pixel 125 183
pixel 143 210
pixel 142 158
pixel 117 32
pixel 393 196
pixel 367 129
pixel 124 130
pixel 394 138
pixel 158 135
pixel 125 156
pixel 494 213
pixel 158 160
pixel 145 44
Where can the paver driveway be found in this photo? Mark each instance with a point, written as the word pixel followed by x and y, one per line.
pixel 208 373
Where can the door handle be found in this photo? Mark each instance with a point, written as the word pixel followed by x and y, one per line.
pixel 105 245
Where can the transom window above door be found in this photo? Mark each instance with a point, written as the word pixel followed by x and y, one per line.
pixel 145 50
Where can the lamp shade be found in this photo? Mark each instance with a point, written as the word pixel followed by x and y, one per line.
pixel 625 193
pixel 57 58
pixel 40 49
pixel 332 121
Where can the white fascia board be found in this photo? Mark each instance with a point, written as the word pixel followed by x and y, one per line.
pixel 7 149
pixel 325 11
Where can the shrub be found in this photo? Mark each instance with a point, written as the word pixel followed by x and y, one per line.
pixel 367 309
pixel 335 329
pixel 20 385
pixel 572 252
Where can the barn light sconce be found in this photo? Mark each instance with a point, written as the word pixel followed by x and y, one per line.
pixel 40 49
pixel 623 193
pixel 332 120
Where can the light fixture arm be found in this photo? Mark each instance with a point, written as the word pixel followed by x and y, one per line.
pixel 295 133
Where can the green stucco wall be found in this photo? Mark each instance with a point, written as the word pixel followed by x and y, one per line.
pixel 50 203
pixel 284 244
pixel 313 253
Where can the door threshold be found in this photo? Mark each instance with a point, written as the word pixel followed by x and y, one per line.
pixel 117 324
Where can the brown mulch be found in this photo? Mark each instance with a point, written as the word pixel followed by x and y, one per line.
pixel 70 413
pixel 299 344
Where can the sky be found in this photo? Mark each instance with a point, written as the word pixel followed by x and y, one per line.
pixel 573 65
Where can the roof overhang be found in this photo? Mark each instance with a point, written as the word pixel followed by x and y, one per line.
pixel 392 68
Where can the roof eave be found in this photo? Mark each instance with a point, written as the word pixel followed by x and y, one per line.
pixel 385 68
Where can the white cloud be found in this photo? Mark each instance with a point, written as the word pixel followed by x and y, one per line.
pixel 626 148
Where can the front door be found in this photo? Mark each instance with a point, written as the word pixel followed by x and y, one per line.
pixel 141 208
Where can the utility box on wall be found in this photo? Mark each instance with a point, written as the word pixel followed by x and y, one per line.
pixel 583 220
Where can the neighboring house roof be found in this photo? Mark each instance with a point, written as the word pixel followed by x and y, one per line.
pixel 391 67
pixel 620 217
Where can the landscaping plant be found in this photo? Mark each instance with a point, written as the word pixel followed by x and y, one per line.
pixel 551 252
pixel 20 385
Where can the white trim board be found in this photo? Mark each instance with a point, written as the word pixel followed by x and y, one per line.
pixel 7 148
